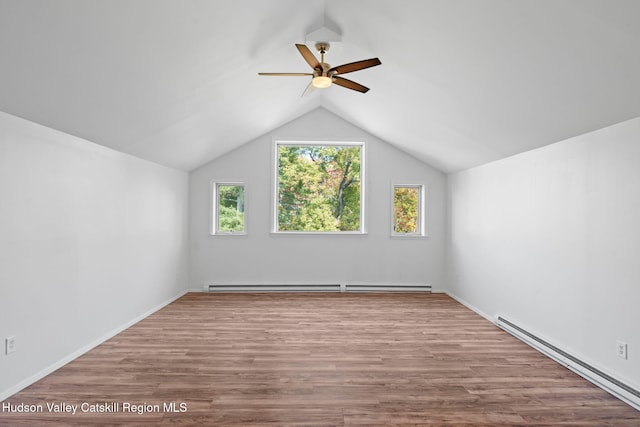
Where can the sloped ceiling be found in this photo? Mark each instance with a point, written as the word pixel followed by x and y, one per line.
pixel 461 83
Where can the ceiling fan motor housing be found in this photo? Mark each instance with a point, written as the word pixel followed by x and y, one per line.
pixel 323 47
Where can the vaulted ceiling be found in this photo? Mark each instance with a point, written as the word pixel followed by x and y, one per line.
pixel 461 83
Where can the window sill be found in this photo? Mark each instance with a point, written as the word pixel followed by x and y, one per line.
pixel 409 236
pixel 320 233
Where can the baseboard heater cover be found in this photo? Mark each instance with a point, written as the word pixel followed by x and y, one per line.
pixel 316 287
pixel 313 287
pixel 382 287
pixel 612 385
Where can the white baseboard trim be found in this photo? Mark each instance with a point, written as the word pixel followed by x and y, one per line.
pixel 616 388
pixel 5 394
pixel 472 307
pixel 591 373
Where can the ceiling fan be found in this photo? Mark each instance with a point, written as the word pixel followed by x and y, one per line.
pixel 323 74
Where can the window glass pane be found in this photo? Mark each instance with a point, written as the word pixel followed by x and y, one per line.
pixel 319 188
pixel 406 209
pixel 230 206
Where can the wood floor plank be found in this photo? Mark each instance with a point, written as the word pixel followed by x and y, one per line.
pixel 318 359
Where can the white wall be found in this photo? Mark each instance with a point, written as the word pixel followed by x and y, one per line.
pixel 90 239
pixel 550 239
pixel 264 258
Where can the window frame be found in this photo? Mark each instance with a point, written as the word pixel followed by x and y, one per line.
pixel 422 209
pixel 275 187
pixel 215 204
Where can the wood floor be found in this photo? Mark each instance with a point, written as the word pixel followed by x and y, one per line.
pixel 318 359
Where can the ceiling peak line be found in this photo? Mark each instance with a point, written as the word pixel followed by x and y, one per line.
pixel 324 34
pixel 328 31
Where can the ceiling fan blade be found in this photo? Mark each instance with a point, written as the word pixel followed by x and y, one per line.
pixel 286 74
pixel 354 66
pixel 341 81
pixel 309 89
pixel 309 57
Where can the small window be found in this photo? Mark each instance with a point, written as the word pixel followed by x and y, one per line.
pixel 319 187
pixel 229 208
pixel 408 210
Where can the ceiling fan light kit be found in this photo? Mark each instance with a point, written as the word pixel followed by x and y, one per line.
pixel 321 82
pixel 323 74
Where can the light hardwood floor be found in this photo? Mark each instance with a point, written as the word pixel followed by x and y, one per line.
pixel 319 359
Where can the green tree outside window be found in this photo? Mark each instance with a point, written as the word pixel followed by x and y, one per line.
pixel 407 207
pixel 230 208
pixel 319 188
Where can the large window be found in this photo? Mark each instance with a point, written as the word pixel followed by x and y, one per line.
pixel 319 187
pixel 408 210
pixel 229 204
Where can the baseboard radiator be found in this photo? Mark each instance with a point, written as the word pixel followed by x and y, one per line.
pixel 238 287
pixel 381 287
pixel 316 287
pixel 612 385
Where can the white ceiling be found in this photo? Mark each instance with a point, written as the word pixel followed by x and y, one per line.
pixel 461 83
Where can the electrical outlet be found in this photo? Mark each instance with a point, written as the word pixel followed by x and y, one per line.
pixel 9 344
pixel 621 349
